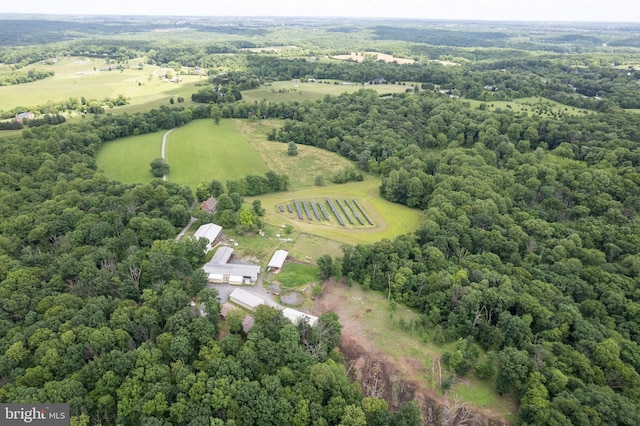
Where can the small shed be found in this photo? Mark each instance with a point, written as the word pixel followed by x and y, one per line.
pixel 225 309
pixel 245 299
pixel 247 324
pixel 276 262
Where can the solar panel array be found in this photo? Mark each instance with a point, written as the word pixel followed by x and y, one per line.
pixel 351 210
pixel 364 213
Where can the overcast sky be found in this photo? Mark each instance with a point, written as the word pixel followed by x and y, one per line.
pixel 521 10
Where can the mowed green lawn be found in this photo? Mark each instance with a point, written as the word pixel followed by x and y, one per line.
pixel 199 151
pixel 127 160
pixel 203 151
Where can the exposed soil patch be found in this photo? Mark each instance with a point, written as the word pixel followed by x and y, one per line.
pixel 378 373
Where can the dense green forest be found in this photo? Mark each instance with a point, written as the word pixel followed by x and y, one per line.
pixel 95 308
pixel 528 254
pixel 529 245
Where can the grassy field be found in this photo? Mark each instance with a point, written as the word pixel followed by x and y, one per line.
pixel 199 151
pixel 203 151
pixel 127 159
pixel 289 91
pixel 296 274
pixel 304 167
pixel 81 77
pixel 391 219
pixel 531 106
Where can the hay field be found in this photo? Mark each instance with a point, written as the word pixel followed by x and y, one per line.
pixel 89 77
pixel 203 151
pixel 303 168
pixel 127 160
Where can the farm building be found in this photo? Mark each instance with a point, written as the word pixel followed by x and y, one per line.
pixel 24 115
pixel 209 205
pixel 247 324
pixel 296 316
pixel 220 271
pixel 208 231
pixel 276 262
pixel 245 299
pixel 222 255
pixel 225 309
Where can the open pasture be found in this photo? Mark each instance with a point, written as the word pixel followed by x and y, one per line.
pixel 75 77
pixel 531 106
pixel 127 160
pixel 296 90
pixel 199 151
pixel 303 168
pixel 203 151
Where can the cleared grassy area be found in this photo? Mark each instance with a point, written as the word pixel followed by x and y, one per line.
pixel 82 77
pixel 367 315
pixel 203 151
pixel 391 219
pixel 296 274
pixel 531 106
pixel 289 91
pixel 314 247
pixel 127 160
pixel 303 168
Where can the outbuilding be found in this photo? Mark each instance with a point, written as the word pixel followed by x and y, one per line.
pixel 277 260
pixel 296 316
pixel 208 231
pixel 245 299
pixel 219 271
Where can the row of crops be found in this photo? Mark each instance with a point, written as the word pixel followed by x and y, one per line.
pixel 339 210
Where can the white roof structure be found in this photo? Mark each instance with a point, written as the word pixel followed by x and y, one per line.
pixel 278 259
pixel 246 299
pixel 297 316
pixel 208 231
pixel 219 271
pixel 222 256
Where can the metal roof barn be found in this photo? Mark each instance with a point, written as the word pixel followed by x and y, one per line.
pixel 278 259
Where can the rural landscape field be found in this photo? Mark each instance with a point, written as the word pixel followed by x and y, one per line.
pixel 458 201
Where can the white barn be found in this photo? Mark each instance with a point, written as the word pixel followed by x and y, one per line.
pixel 219 271
pixel 245 299
pixel 277 260
pixel 296 316
pixel 208 231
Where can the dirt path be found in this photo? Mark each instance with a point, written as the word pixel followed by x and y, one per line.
pixel 164 145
